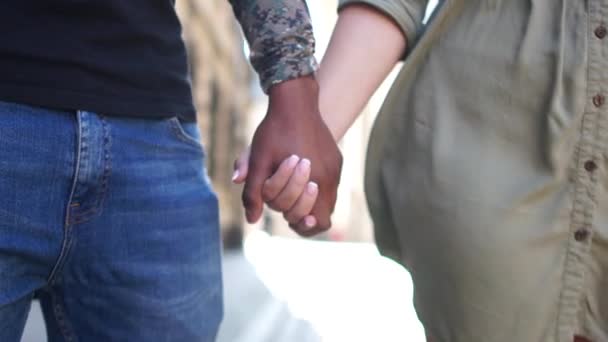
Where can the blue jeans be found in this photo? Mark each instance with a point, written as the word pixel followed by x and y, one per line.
pixel 112 223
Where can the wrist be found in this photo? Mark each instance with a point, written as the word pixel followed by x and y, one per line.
pixel 302 83
pixel 296 97
pixel 287 69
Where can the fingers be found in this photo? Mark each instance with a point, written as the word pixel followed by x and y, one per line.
pixel 241 166
pixel 278 181
pixel 306 227
pixel 303 206
pixel 260 168
pixel 322 210
pixel 296 185
pixel 285 187
pixel 287 190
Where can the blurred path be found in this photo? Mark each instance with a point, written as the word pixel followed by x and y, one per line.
pixel 253 314
pixel 347 291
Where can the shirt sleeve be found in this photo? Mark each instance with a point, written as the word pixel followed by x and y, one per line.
pixel 408 14
pixel 280 38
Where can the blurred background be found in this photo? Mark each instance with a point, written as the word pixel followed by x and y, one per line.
pixel 278 287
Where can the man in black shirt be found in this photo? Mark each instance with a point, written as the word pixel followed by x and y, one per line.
pixel 106 212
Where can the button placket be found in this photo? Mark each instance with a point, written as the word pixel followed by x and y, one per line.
pixel 584 181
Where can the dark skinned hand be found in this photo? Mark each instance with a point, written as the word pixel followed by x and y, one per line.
pixel 293 126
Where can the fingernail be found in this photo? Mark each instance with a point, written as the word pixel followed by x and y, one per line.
pixel 293 160
pixel 304 164
pixel 309 221
pixel 312 188
pixel 235 175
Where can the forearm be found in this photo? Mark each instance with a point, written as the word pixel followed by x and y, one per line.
pixel 280 38
pixel 364 48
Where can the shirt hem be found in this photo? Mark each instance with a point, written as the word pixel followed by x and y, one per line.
pixel 102 104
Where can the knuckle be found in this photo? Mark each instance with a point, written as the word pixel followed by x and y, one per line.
pixel 291 218
pixel 324 225
pixel 272 207
pixel 310 233
pixel 297 226
pixel 290 197
pixel 268 193
pixel 322 229
pixel 299 180
pixel 279 206
pixel 294 216
pixel 302 232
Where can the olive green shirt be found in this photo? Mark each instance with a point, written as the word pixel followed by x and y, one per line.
pixel 487 171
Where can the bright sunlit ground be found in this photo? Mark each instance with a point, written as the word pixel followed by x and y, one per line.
pixel 347 291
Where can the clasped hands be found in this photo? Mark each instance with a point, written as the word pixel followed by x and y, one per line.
pixel 293 164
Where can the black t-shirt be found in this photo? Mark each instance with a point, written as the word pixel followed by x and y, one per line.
pixel 113 57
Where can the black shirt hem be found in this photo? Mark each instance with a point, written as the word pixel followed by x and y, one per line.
pixel 101 104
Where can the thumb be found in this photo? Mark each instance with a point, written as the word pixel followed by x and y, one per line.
pixel 260 169
pixel 241 167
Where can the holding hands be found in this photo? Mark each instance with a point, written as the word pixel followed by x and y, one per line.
pixel 294 164
pixel 278 169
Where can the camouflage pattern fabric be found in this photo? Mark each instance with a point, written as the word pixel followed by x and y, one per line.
pixel 280 37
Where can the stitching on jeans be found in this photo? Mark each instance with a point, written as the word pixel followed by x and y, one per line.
pixel 61 318
pixel 178 130
pixel 67 227
pixel 65 250
pixel 107 162
pixel 83 216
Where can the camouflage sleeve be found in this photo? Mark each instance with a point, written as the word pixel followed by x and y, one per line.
pixel 280 38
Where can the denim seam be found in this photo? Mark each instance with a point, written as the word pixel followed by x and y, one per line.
pixel 65 247
pixel 82 152
pixel 178 130
pixel 61 318
pixel 81 217
pixel 107 162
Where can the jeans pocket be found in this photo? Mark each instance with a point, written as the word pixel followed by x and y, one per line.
pixel 187 132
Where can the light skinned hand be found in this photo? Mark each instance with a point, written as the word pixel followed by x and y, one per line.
pixel 288 190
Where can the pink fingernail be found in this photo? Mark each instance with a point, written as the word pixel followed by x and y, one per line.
pixel 304 164
pixel 312 188
pixel 293 160
pixel 310 222
pixel 235 175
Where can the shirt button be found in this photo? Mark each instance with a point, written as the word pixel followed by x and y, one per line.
pixel 590 166
pixel 601 31
pixel 581 235
pixel 599 100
